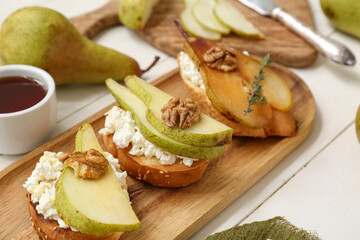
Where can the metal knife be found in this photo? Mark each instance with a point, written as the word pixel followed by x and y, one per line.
pixel 330 48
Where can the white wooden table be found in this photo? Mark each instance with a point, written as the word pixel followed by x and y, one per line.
pixel 316 187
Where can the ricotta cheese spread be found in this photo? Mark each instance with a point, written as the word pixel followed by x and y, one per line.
pixel 121 123
pixel 41 183
pixel 190 71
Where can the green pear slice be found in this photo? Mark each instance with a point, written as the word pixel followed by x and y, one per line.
pixel 206 132
pixel 203 11
pixel 85 139
pixel 95 207
pixel 192 26
pixel 130 102
pixel 231 17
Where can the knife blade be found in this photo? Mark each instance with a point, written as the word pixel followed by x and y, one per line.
pixel 331 49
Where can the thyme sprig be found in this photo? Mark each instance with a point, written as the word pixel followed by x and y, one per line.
pixel 255 94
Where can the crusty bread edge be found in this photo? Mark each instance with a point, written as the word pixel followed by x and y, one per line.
pixel 50 230
pixel 153 172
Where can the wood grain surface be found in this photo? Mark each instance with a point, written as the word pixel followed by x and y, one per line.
pixel 169 213
pixel 92 23
pixel 284 46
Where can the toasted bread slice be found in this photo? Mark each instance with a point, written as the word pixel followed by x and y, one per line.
pixel 282 124
pixel 49 229
pixel 153 172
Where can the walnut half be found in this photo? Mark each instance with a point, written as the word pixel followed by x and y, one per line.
pixel 88 165
pixel 221 58
pixel 176 110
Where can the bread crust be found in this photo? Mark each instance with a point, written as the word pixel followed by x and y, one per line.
pixel 153 172
pixel 49 229
pixel 282 124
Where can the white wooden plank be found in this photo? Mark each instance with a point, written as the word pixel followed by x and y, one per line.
pixel 324 195
pixel 73 97
pixel 127 41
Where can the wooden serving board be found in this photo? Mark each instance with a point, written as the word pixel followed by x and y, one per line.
pixel 284 46
pixel 167 213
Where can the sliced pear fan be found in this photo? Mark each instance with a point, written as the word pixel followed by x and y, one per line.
pixel 130 102
pixel 203 11
pixel 192 26
pixel 231 17
pixel 206 133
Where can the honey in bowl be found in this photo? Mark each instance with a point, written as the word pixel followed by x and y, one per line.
pixel 19 93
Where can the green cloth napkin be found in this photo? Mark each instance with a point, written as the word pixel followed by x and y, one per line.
pixel 276 228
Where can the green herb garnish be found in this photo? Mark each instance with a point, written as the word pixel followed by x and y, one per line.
pixel 256 96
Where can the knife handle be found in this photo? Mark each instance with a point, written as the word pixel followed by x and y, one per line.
pixel 330 48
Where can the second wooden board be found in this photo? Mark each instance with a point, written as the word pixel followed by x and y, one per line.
pixel 167 213
pixel 284 46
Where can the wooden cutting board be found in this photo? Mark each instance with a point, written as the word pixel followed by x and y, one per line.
pixel 167 213
pixel 284 46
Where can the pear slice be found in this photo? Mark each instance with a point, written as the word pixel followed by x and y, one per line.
pixel 192 26
pixel 206 132
pixel 275 89
pixel 135 13
pixel 228 91
pixel 130 102
pixel 231 17
pixel 203 11
pixel 85 139
pixel 95 207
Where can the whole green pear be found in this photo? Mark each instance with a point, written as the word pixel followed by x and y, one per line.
pixel 1 61
pixel 343 14
pixel 46 39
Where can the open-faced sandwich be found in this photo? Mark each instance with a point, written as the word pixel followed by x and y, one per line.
pixel 82 195
pixel 159 139
pixel 222 79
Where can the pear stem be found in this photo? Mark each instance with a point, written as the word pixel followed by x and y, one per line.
pixel 181 29
pixel 151 65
